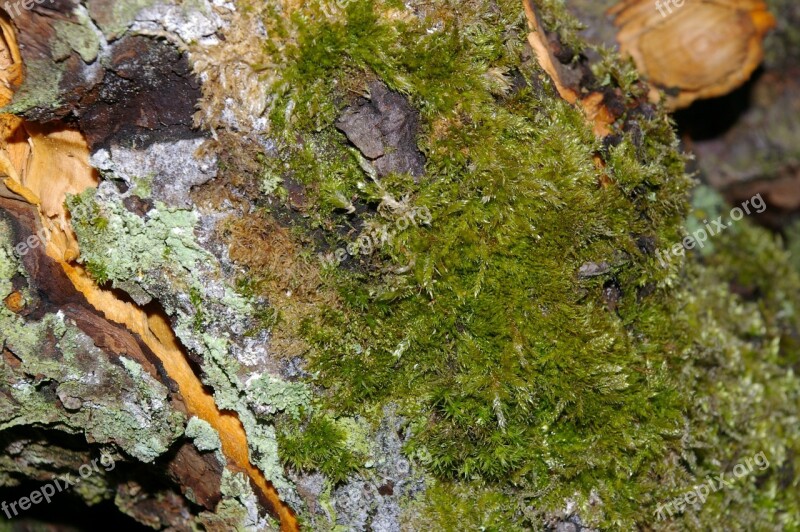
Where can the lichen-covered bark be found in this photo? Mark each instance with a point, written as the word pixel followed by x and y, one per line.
pixel 428 289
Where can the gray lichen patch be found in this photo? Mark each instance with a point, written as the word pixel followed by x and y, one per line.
pixel 272 395
pixel 194 21
pixel 80 36
pixel 165 171
pixel 57 376
pixel 119 246
pixel 377 498
pixel 64 380
pixel 9 265
pixel 114 18
pixel 41 87
pixel 31 456
pixel 158 257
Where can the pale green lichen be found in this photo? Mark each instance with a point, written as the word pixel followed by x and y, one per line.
pixel 359 441
pixel 277 395
pixel 114 22
pixel 220 370
pixel 238 509
pixel 143 186
pixel 9 265
pixel 42 460
pixel 118 246
pixel 75 385
pixel 204 435
pixel 79 36
pixel 40 89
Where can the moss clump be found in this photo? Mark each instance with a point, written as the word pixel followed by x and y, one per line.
pixel 738 312
pixel 455 507
pixel 526 383
pixel 782 45
pixel 282 271
pixel 478 340
pixel 318 444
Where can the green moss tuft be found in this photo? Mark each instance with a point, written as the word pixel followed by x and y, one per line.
pixel 318 444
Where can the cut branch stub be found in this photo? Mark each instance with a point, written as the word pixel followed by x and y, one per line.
pixel 702 49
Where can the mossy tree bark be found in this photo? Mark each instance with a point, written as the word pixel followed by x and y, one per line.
pixel 373 265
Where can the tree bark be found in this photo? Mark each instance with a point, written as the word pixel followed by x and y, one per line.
pixel 163 256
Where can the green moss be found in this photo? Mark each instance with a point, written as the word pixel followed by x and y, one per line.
pixel 484 334
pixel 782 45
pixel 518 375
pixel 455 507
pixel 319 444
pixel 196 299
